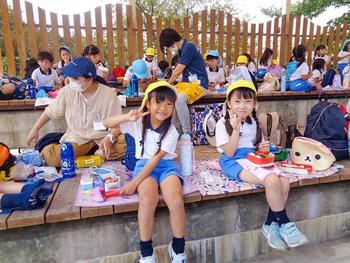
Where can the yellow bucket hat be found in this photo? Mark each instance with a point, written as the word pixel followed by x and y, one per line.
pixel 242 59
pixel 240 84
pixel 151 87
pixel 150 51
pixel 274 61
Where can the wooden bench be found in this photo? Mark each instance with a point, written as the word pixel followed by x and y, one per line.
pixel 59 207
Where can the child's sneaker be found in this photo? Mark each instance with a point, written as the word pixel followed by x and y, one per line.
pixel 291 235
pixel 272 234
pixel 149 259
pixel 176 258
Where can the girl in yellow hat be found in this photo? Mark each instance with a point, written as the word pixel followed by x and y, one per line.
pixel 151 63
pixel 156 140
pixel 238 133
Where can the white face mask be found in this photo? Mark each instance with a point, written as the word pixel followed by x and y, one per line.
pixel 174 50
pixel 76 87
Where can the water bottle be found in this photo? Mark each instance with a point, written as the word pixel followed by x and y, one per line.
pixel 284 82
pixel 134 86
pixel 67 160
pixel 186 149
pixel 346 81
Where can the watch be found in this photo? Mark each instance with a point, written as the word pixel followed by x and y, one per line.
pixel 111 138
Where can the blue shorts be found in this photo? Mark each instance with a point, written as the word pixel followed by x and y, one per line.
pixel 164 169
pixel 230 166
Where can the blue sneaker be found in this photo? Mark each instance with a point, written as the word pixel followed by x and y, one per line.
pixel 273 237
pixel 291 235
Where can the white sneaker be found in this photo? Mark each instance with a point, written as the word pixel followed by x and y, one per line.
pixel 176 258
pixel 149 259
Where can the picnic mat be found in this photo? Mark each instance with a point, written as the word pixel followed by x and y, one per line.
pixel 85 200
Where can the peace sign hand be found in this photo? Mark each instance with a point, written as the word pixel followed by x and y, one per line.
pixel 134 115
pixel 235 121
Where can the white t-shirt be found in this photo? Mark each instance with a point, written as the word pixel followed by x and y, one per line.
pixel 303 69
pixel 246 140
pixel 326 58
pixel 346 69
pixel 251 66
pixel 216 76
pixel 152 137
pixel 130 72
pixel 151 66
pixel 315 74
pixel 344 60
pixel 43 79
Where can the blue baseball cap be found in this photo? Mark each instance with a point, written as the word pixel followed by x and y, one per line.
pixel 139 68
pixel 215 53
pixel 79 67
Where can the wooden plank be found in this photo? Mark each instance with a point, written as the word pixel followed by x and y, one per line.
pixel 318 36
pixel 331 40
pixel 99 31
pixel 344 31
pixel 243 192
pixel 87 212
pixel 195 29
pixel 310 44
pixel 289 38
pixel 297 31
pixel 305 182
pixel 268 34
pixel 211 197
pixel 30 217
pixel 77 36
pixel 305 24
pixel 282 41
pixel 229 40
pixel 221 33
pixel 43 43
pixel 31 28
pixel 61 208
pixel 192 197
pixel 260 40
pixel 6 30
pixel 66 31
pixel 126 208
pixel 149 23
pixel 3 219
pixel 344 174
pixel 324 38
pixel 88 30
pixel 252 40
pixel 120 35
pixel 204 31
pixel 139 33
pixel 294 184
pixel 1 66
pixel 337 45
pixel 168 25
pixel 187 27
pixel 130 35
pixel 212 24
pixel 21 48
pixel 178 26
pixel 237 38
pixel 160 54
pixel 55 36
pixel 330 179
pixel 110 42
pixel 275 35
pixel 244 43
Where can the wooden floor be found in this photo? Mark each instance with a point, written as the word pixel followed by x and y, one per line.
pixel 59 206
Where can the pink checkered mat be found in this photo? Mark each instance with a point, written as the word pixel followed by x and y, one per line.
pixel 208 179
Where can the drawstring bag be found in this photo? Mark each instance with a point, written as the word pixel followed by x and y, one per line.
pixel 7 160
pixel 192 90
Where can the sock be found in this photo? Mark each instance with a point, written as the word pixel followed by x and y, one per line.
pixel 281 217
pixel 43 194
pixel 146 248
pixel 179 245
pixel 270 217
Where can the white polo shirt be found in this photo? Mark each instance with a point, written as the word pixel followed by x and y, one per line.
pixel 152 137
pixel 42 79
pixel 344 60
pixel 246 139
pixel 151 66
pixel 326 58
pixel 215 76
pixel 303 69
pixel 315 74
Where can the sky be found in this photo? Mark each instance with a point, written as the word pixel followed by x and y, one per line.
pixel 247 6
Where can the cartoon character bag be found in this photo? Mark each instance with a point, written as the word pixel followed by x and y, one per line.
pixel 311 152
pixel 192 90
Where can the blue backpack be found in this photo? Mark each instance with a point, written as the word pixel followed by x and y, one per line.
pixel 130 159
pixel 328 78
pixel 290 67
pixel 326 124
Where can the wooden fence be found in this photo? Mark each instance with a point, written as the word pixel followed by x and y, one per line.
pixel 122 40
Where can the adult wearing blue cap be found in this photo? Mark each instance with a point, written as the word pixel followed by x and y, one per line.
pixel 138 68
pixel 84 103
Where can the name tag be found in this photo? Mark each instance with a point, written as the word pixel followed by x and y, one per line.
pixel 98 126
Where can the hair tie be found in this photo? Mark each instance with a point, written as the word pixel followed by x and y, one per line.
pixel 141 143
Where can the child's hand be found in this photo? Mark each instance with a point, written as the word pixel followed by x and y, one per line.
pixel 235 121
pixel 134 115
pixel 129 188
pixel 32 136
pixel 264 146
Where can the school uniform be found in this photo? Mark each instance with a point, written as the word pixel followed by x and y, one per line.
pixel 326 58
pixel 41 78
pixel 129 73
pixel 315 74
pixel 215 76
pixel 296 83
pixel 151 66
pixel 167 166
pixel 342 63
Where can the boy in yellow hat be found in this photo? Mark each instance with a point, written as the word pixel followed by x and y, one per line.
pixel 241 72
pixel 151 63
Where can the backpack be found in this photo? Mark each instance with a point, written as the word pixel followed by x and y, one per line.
pixel 326 124
pixel 130 151
pixel 328 78
pixel 274 128
pixel 197 116
pixel 290 67
pixel 7 160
